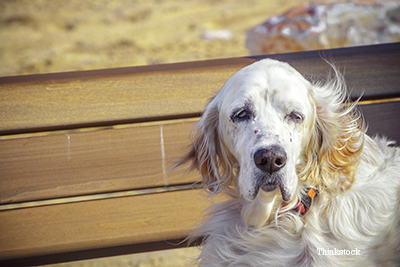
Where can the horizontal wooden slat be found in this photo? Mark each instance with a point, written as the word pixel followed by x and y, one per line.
pixel 99 224
pixel 81 163
pixel 383 119
pixel 118 159
pixel 114 95
pixel 104 97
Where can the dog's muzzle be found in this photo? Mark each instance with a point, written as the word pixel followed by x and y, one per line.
pixel 270 160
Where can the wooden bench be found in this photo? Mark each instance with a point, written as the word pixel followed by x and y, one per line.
pixel 84 156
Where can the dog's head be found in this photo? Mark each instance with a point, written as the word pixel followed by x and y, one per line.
pixel 264 119
pixel 269 129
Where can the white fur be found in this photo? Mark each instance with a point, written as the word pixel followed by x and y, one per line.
pixel 327 148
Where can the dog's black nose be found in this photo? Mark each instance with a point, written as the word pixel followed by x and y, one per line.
pixel 270 159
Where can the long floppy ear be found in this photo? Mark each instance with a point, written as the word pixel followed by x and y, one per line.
pixel 208 153
pixel 334 150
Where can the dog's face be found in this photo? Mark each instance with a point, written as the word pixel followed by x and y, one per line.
pixel 265 119
pixel 268 128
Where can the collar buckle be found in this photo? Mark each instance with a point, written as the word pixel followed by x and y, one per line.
pixel 304 204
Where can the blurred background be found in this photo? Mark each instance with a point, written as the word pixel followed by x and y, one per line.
pixel 54 36
pixel 45 36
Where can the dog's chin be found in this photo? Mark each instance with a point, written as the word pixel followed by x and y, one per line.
pixel 286 196
pixel 269 183
pixel 269 188
pixel 268 193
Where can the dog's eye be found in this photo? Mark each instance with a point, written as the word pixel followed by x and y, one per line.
pixel 241 115
pixel 295 116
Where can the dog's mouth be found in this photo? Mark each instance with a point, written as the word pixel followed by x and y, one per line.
pixel 268 188
pixel 272 186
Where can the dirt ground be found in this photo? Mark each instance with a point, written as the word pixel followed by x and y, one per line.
pixel 44 36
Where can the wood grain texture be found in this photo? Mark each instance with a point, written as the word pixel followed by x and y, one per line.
pixel 104 97
pixel 118 95
pixel 83 163
pixel 99 224
pixel 382 119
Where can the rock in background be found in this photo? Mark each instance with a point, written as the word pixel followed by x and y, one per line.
pixel 327 25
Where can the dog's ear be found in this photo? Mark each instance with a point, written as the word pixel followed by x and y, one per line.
pixel 207 153
pixel 336 139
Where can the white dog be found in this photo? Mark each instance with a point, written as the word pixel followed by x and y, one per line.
pixel 306 186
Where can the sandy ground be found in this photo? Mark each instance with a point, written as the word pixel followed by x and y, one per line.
pixel 44 36
pixel 53 36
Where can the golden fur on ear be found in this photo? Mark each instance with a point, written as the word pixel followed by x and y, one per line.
pixel 208 154
pixel 337 137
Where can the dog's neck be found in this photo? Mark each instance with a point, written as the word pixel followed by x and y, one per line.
pixel 259 212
